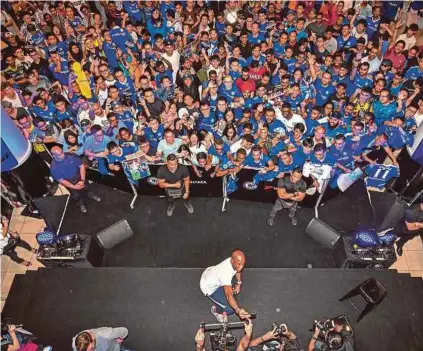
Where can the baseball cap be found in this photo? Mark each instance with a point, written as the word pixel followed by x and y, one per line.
pixel 187 75
pixel 85 123
pixel 387 62
pixel 291 12
pixel 6 104
pixel 167 42
pixel 336 115
pixel 115 103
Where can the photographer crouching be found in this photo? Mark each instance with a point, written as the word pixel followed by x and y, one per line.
pixel 331 336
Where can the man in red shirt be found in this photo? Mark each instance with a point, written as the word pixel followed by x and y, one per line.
pixel 395 55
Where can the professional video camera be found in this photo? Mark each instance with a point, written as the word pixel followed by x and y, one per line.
pixel 221 337
pixel 335 333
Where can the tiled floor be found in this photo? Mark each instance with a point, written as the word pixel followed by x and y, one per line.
pixel 410 262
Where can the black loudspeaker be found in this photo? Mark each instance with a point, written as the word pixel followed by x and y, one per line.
pixel 322 233
pixel 388 209
pixel 115 234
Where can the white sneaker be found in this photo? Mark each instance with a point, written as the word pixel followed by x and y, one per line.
pixel 221 317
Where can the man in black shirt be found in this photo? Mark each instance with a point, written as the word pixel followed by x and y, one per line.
pixel 411 226
pixel 174 178
pixel 291 190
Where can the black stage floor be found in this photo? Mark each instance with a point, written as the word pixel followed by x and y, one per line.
pixel 162 307
pixel 200 239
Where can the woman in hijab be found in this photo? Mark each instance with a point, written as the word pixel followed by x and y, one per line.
pixel 73 143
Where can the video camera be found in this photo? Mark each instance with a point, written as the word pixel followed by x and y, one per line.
pixel 329 335
pixel 221 337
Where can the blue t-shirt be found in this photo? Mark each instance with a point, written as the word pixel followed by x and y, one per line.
pixel 67 169
pixel 383 113
pixel 323 93
pixel 342 156
pixel 397 136
pixel 154 137
pixel 256 40
pixel 346 43
pixel 413 73
pixel 49 114
pixel 120 37
pixel 260 163
pixel 91 144
pixel 297 162
pixel 329 159
pixel 133 10
pixel 63 75
pixel 229 94
pixel 110 52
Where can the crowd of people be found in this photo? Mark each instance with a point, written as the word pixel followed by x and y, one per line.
pixel 295 89
pixel 275 85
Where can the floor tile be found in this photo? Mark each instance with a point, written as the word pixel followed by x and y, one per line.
pixel 400 264
pixel 416 244
pixel 16 223
pixel 35 264
pixel 6 284
pixel 32 226
pixel 4 263
pixel 16 268
pixel 417 274
pixel 414 260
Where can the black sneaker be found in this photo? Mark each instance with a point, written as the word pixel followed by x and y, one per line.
pixel 399 250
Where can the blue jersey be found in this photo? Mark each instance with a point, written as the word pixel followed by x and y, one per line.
pixel 154 137
pixel 207 123
pixel 279 49
pixel 63 75
pixel 127 149
pixel 220 28
pixel 328 160
pixel 413 73
pixel 345 43
pixel 110 52
pixel 397 136
pixel 290 63
pixel 343 156
pixel 37 39
pixel 260 163
pixel 379 175
pixel 76 22
pixel 127 118
pixel 133 10
pixel 222 156
pixel 372 26
pixel 127 88
pixel 361 82
pixel 277 127
pixel 49 114
pixel 383 113
pixel 65 115
pixel 120 37
pixel 297 162
pixel 229 94
pixel 256 40
pixel 323 93
pixel 91 144
pixel 261 60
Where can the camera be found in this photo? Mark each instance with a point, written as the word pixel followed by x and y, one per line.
pixel 330 336
pixel 221 337
pixel 279 329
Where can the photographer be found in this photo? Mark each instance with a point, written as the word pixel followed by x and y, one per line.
pixel 14 339
pixel 332 339
pixel 242 346
pixel 284 339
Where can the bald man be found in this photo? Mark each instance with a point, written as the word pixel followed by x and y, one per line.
pixel 216 284
pixel 69 171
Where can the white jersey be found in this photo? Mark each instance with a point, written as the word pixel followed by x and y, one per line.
pixel 216 276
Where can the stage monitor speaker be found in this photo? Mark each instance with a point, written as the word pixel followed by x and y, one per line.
pixel 388 210
pixel 322 233
pixel 115 234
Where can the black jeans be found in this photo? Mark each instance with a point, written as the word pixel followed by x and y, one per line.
pixel 81 194
pixel 280 204
pixel 407 236
pixel 12 253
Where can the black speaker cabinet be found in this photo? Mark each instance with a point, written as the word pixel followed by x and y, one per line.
pixel 322 233
pixel 115 234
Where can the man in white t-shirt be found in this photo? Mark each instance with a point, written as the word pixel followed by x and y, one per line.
pixel 216 284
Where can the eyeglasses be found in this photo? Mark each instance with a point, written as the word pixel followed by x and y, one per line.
pixel 386 96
